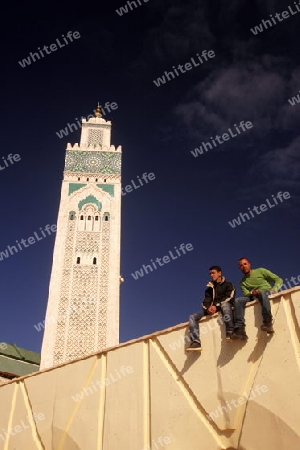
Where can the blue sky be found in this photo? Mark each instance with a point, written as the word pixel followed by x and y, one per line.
pixel 192 199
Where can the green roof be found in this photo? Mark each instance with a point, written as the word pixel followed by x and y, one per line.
pixel 17 360
pixel 15 367
pixel 13 351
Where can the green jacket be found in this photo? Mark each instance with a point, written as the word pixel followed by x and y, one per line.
pixel 260 279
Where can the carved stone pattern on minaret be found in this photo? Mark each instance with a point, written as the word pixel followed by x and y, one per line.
pixel 95 136
pixel 102 330
pixel 62 321
pixel 93 162
pixel 84 321
pixel 84 285
pixel 87 241
pixel 90 306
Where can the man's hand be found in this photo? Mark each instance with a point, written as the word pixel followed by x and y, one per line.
pixel 255 292
pixel 212 309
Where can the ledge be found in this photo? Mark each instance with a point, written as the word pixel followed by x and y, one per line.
pixel 276 296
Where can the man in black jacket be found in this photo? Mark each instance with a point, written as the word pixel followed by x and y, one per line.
pixel 219 296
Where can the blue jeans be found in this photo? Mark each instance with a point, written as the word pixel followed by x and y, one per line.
pixel 227 314
pixel 240 304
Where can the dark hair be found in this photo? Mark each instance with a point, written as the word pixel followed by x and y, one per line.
pixel 243 258
pixel 217 268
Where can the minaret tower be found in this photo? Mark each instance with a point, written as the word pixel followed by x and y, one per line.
pixel 83 306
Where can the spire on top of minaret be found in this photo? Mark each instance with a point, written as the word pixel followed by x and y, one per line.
pixel 98 111
pixel 96 130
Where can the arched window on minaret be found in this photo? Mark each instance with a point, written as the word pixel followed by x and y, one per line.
pixel 94 260
pixel 78 260
pixel 81 222
pixel 88 211
pixel 97 223
pixel 89 218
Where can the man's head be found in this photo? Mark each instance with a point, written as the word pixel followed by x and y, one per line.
pixel 215 273
pixel 244 265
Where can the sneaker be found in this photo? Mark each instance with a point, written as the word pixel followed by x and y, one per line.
pixel 268 327
pixel 239 333
pixel 194 347
pixel 228 335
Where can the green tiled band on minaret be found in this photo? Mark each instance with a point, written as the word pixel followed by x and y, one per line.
pixel 93 162
pixel 74 187
pixel 108 188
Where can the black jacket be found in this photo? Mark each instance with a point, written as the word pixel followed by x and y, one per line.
pixel 217 293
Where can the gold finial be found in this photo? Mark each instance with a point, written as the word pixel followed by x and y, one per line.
pixel 98 111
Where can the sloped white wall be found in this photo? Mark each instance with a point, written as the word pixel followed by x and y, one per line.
pixel 149 394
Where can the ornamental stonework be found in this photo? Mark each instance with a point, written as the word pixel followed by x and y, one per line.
pixel 93 162
pixel 95 137
pixel 83 322
pixel 87 241
pixel 82 314
pixel 102 328
pixel 83 305
pixel 62 320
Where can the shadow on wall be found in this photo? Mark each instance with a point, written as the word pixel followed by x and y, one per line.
pixel 229 349
pixel 267 418
pixel 232 448
pixel 256 410
pixel 63 441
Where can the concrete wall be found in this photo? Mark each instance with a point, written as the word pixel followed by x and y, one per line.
pixel 150 394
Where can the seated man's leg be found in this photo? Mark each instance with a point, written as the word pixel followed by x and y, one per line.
pixel 194 327
pixel 239 311
pixel 227 314
pixel 263 298
pixel 239 314
pixel 195 344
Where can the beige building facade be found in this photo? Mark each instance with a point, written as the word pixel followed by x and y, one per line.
pixel 83 306
pixel 150 394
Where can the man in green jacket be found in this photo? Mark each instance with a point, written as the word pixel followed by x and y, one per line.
pixel 256 284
